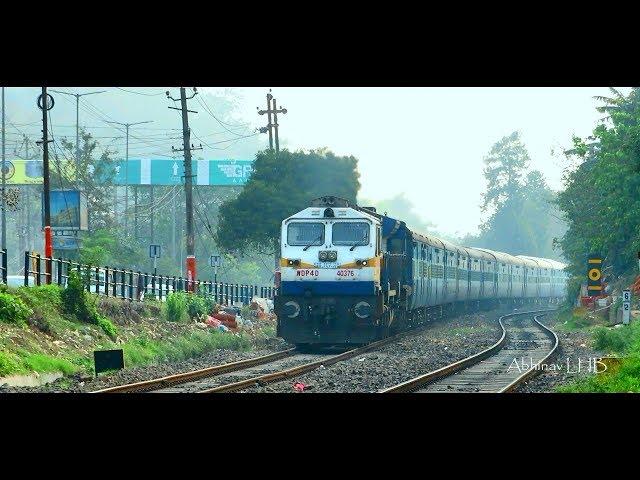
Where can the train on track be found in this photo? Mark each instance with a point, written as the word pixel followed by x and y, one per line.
pixel 349 275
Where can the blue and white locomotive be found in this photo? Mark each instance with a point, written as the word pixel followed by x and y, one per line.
pixel 349 275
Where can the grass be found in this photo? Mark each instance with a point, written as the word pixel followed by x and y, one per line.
pixel 623 342
pixel 23 362
pixel 142 351
pixel 572 319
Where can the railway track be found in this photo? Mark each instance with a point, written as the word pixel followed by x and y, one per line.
pixel 236 376
pixel 183 378
pixel 524 338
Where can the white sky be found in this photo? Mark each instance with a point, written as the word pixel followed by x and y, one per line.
pixel 429 142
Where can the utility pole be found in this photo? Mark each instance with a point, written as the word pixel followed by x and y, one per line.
pixel 126 178
pixel 45 103
pixel 272 128
pixel 188 182
pixel 78 95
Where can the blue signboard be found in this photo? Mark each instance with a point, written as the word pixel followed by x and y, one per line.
pixel 171 172
pixel 155 172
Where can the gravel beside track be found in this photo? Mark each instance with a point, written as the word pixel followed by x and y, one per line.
pixel 436 345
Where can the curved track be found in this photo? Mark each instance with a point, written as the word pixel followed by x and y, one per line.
pixel 525 342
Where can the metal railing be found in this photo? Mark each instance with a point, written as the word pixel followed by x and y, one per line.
pixel 3 266
pixel 134 285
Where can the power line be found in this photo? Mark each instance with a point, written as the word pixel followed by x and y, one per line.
pixel 140 93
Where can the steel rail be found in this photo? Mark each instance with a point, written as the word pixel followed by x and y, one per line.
pixel 158 383
pixel 533 371
pixel 427 378
pixel 307 367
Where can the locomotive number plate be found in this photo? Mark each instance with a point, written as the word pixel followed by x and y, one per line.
pixel 307 272
pixel 346 274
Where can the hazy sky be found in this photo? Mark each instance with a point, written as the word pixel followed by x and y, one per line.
pixel 429 142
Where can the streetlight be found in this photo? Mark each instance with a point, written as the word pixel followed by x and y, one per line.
pixel 78 95
pixel 126 169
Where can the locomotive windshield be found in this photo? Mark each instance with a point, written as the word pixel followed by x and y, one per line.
pixel 299 234
pixel 350 233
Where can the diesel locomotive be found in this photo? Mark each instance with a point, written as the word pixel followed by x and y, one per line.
pixel 349 275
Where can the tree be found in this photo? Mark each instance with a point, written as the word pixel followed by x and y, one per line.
pixel 505 165
pixel 523 219
pixel 280 185
pixel 93 176
pixel 601 201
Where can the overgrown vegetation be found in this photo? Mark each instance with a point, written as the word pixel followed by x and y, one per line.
pixel 13 310
pixel 607 163
pixel 78 302
pixel 175 308
pixel 144 351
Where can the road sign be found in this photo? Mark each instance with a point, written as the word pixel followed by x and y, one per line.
pixel 594 275
pixel 155 251
pixel 626 306
pixel 215 261
pixel 65 243
pixel 148 172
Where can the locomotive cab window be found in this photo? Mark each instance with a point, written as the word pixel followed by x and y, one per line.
pixel 305 233
pixel 350 233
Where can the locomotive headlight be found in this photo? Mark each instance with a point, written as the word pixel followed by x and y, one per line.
pixel 362 310
pixel 294 262
pixel 332 255
pixel 291 309
pixel 323 256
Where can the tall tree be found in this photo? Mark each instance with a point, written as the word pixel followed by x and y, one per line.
pixel 523 219
pixel 601 200
pixel 280 185
pixel 505 165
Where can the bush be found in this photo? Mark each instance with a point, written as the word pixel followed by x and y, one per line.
pixel 108 327
pixel 176 307
pixel 9 364
pixel 196 306
pixel 617 340
pixel 13 310
pixel 76 301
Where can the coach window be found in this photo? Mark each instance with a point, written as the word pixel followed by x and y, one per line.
pixel 305 233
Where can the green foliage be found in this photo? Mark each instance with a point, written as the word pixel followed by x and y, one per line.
pixel 144 351
pixel 175 308
pixel 10 364
pixel 600 200
pixel 23 362
pixel 197 306
pixel 13 309
pixel 617 340
pixel 108 327
pixel 281 185
pixel 38 362
pixel 77 301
